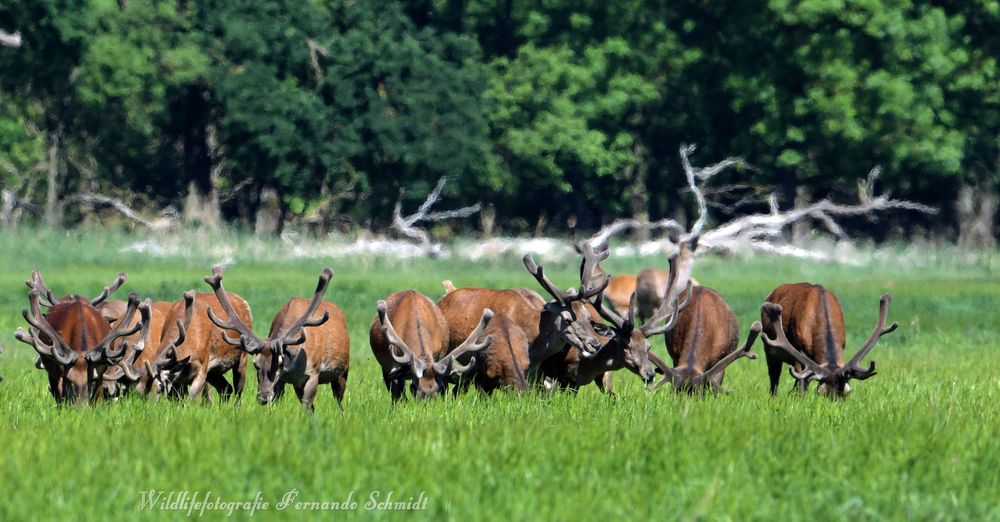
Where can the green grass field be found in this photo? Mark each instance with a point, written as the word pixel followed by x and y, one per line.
pixel 921 440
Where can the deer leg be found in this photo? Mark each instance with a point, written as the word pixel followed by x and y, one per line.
pixel 221 385
pixel 240 376
pixel 309 392
pixel 339 387
pixel 198 385
pixel 604 383
pixel 773 370
pixel 397 387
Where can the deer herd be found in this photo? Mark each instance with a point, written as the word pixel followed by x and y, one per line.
pixel 472 337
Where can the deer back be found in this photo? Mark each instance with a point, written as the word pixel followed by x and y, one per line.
pixel 204 342
pixel 328 344
pixel 505 362
pixel 706 331
pixel 463 308
pixel 418 322
pixel 813 321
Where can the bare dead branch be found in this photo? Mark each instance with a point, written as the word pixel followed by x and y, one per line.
pixel 406 226
pixel 702 174
pixel 117 204
pixel 10 39
pixel 600 240
pixel 315 51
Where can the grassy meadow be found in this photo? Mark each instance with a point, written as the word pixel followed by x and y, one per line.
pixel 921 440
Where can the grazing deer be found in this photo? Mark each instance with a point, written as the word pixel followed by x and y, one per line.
pixel 73 340
pixel 504 363
pixel 177 316
pixel 703 342
pixel 117 378
pixel 550 326
pixel 291 354
pixel 423 357
pixel 195 352
pixel 804 327
pixel 626 343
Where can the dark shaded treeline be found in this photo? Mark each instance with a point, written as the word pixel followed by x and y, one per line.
pixel 323 110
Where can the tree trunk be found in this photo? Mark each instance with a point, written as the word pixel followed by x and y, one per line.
pixel 268 218
pixel 976 210
pixel 802 229
pixel 637 193
pixel 9 201
pixel 53 208
pixel 202 162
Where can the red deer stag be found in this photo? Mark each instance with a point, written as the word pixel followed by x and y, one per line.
pixel 627 343
pixel 195 353
pixel 549 326
pixel 74 342
pixel 702 337
pixel 505 362
pixel 423 357
pixel 804 327
pixel 291 354
pixel 177 316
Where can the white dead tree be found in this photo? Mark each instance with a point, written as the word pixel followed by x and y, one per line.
pixel 762 231
pixel 10 39
pixel 406 226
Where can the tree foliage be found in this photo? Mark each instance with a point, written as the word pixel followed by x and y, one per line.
pixel 548 111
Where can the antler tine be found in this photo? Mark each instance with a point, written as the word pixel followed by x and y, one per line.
pixel 590 264
pixel 233 322
pixel 880 330
pixel 38 285
pixel 474 343
pixel 805 374
pixel 668 373
pixel 561 297
pixel 304 321
pixel 773 311
pixel 679 269
pixel 36 319
pixel 609 314
pixel 390 335
pixel 745 351
pixel 108 290
pixel 145 317
pixel 650 328
pixel 122 329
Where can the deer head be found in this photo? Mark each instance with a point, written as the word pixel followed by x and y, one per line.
pixel 160 376
pixel 833 378
pixel 430 378
pixel 273 358
pixel 567 313
pixel 631 340
pixel 78 369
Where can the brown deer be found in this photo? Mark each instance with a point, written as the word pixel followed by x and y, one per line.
pixel 300 350
pixel 703 342
pixel 424 358
pixel 504 363
pixel 177 316
pixel 804 327
pixel 117 378
pixel 195 352
pixel 626 341
pixel 73 340
pixel 566 320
